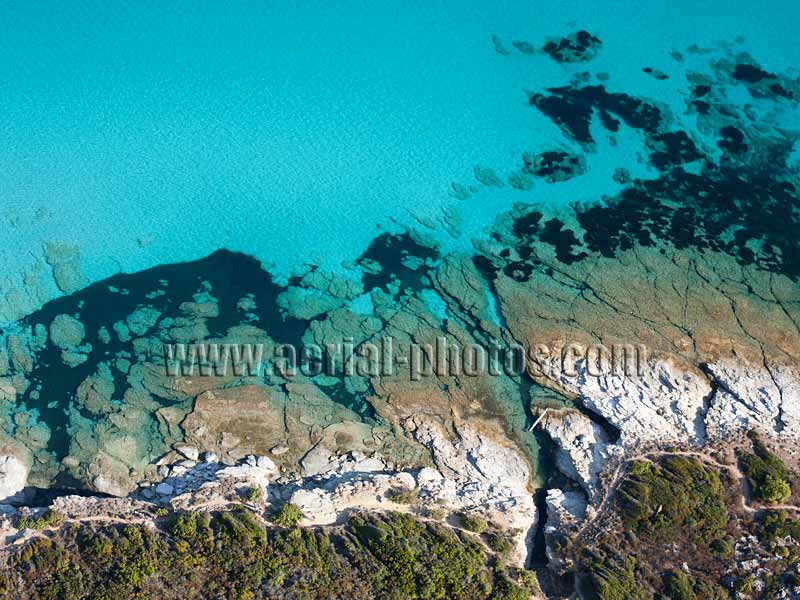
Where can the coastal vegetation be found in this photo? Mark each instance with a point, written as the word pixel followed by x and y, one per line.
pixel 769 477
pixel 678 531
pixel 233 554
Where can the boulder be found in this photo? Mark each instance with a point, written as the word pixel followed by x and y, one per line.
pixel 13 475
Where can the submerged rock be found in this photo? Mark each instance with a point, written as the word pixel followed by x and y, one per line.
pixel 66 332
pixel 65 261
pixel 578 46
pixel 554 165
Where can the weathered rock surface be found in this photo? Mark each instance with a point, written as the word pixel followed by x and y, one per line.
pixel 13 475
pixel 565 512
pixel 584 448
pixel 66 332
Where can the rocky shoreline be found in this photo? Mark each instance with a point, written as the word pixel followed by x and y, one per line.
pixel 470 475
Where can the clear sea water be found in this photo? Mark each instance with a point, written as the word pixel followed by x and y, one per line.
pixel 149 132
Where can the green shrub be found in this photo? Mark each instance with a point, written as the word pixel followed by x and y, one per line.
pixel 769 476
pixel 678 586
pixel 255 494
pixel 499 542
pixel 437 514
pixel 289 515
pixel 774 490
pixel 776 524
pixel 722 548
pixel 676 496
pixel 613 578
pixel 473 523
pixel 746 585
pixel 232 554
pixel 403 496
pixel 49 519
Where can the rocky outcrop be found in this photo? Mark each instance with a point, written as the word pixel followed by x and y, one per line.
pixel 477 473
pixel 746 397
pixel 13 473
pixel 584 448
pixel 473 474
pixel 565 512
pixel 662 404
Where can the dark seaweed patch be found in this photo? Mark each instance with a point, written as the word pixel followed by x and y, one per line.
pixel 554 165
pixel 688 210
pixel 391 252
pixel 673 148
pixel 751 73
pixel 563 240
pixel 527 225
pixel 702 107
pixel 528 229
pixel 732 140
pixel 572 108
pixel 779 90
pixel 655 73
pixel 579 46
pixel 741 211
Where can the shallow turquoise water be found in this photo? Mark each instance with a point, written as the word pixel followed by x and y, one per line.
pixel 147 132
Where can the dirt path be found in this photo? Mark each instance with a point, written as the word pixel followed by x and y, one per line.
pixel 734 470
pixel 745 497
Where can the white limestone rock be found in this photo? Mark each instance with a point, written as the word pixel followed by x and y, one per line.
pixel 317 460
pixel 478 474
pixel 583 447
pixel 565 513
pixel 662 404
pixel 754 397
pixel 189 452
pixel 317 505
pixel 13 475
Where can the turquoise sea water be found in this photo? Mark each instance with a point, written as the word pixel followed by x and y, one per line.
pixel 148 132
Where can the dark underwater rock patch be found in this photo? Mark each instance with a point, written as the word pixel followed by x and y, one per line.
pixel 529 229
pixel 747 206
pixel 656 73
pixel 751 73
pixel 396 255
pixel 578 46
pixel 572 108
pixel 554 165
pixel 673 148
pixel 750 216
pixel 760 82
pixel 732 140
pixel 697 211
